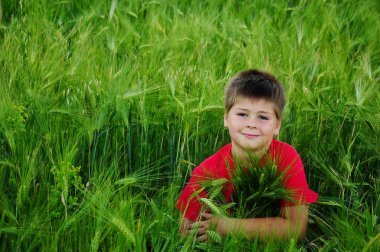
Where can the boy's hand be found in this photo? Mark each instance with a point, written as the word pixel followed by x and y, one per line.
pixel 200 227
pixel 208 221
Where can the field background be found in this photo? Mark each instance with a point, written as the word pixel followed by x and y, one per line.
pixel 107 106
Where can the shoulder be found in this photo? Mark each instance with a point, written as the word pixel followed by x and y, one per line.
pixel 282 149
pixel 221 154
pixel 284 154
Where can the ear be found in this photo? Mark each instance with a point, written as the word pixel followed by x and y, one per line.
pixel 226 120
pixel 278 127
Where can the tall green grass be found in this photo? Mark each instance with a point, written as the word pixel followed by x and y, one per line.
pixel 107 106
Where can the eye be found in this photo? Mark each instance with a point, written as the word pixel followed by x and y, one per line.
pixel 243 114
pixel 263 117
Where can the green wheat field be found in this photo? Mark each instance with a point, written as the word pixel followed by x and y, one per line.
pixel 107 106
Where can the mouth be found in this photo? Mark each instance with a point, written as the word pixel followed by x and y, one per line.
pixel 249 136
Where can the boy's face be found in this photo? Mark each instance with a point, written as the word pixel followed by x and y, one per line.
pixel 252 123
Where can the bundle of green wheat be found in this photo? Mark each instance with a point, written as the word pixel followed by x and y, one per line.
pixel 258 191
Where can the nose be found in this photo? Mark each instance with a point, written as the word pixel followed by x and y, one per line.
pixel 251 123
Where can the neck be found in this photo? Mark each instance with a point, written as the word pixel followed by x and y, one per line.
pixel 246 158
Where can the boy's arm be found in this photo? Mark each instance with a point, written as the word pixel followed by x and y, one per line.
pixel 291 224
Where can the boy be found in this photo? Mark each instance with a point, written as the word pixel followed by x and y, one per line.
pixel 254 101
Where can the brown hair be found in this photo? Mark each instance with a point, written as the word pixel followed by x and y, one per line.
pixel 255 84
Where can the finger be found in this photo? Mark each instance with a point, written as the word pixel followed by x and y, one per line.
pixel 198 229
pixel 207 216
pixel 187 231
pixel 193 232
pixel 194 225
pixel 201 231
pixel 200 224
pixel 202 238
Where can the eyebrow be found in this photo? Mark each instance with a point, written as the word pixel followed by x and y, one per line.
pixel 242 109
pixel 261 111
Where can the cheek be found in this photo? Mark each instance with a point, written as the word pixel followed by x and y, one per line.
pixel 239 123
pixel 265 125
pixel 268 127
pixel 239 120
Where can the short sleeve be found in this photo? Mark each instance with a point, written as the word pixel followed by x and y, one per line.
pixel 294 179
pixel 212 168
pixel 188 202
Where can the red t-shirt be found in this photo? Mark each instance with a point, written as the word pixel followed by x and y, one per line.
pixel 220 164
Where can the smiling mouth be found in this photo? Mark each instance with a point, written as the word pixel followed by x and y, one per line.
pixel 249 135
